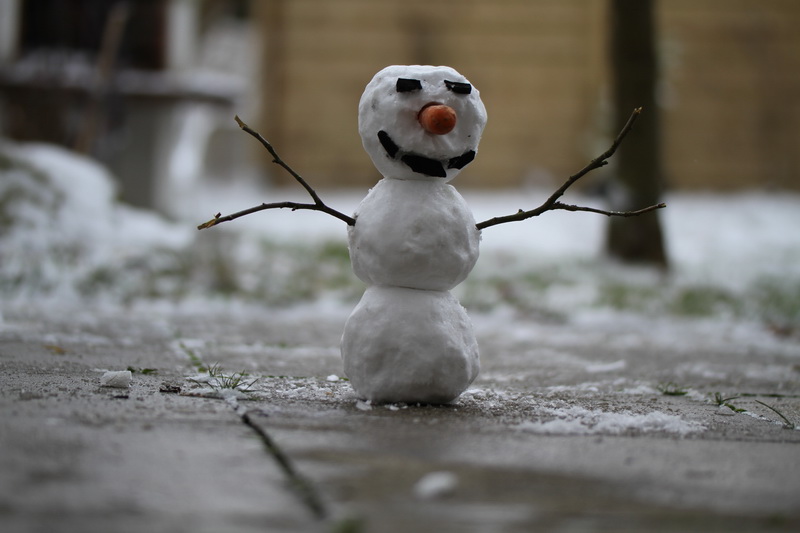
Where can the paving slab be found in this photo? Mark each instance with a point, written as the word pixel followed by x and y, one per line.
pixel 570 427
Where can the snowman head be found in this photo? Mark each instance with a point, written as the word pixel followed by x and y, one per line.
pixel 420 122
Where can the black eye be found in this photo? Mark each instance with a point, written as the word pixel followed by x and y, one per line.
pixel 458 87
pixel 406 85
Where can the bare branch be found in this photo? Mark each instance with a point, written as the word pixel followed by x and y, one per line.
pixel 569 207
pixel 318 204
pixel 552 203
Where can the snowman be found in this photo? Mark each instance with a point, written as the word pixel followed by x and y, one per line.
pixel 414 239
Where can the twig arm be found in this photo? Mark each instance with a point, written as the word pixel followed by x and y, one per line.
pixel 294 206
pixel 318 204
pixel 552 203
pixel 523 215
pixel 636 213
pixel 277 160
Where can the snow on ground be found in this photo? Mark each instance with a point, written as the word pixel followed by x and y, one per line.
pixel 581 421
pixel 541 291
pixel 65 238
pixel 61 227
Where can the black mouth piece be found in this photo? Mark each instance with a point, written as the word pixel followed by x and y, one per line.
pixel 388 144
pixel 421 164
pixel 462 160
pixel 424 165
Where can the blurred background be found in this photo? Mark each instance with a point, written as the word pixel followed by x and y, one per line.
pixel 132 83
pixel 147 91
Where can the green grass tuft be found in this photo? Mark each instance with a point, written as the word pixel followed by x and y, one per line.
pixel 787 424
pixel 721 400
pixel 672 389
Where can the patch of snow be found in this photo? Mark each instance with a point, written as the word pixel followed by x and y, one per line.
pixel 364 405
pixel 435 485
pixel 62 227
pixel 597 368
pixel 116 379
pixel 582 421
pixel 582 387
pixel 640 389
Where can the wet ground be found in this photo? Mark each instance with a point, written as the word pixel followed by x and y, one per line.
pixel 589 425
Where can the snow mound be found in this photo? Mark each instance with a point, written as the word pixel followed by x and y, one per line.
pixel 61 228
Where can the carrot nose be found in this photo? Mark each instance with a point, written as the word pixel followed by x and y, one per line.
pixel 438 119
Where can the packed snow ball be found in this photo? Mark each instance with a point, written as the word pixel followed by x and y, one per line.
pixel 419 235
pixel 408 345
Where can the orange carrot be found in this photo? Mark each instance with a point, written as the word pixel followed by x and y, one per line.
pixel 438 119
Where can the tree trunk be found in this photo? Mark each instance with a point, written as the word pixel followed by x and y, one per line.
pixel 638 179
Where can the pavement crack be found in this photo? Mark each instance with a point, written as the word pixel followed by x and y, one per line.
pixel 302 486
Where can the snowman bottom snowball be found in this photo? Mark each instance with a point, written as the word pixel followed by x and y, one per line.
pixel 409 345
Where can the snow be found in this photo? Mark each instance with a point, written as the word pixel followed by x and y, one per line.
pixel 62 225
pixel 725 238
pixel 64 238
pixel 540 290
pixel 120 379
pixel 435 485
pixel 364 405
pixel 419 235
pixel 582 421
pixel 409 345
pixel 383 108
pixel 597 368
pixel 409 339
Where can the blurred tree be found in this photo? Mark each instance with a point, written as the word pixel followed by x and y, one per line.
pixel 637 181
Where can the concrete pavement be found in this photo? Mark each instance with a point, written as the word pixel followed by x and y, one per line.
pixel 553 436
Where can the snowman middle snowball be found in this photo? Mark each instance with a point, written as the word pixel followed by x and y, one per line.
pixel 409 340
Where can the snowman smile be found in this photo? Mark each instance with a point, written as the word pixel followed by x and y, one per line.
pixel 422 164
